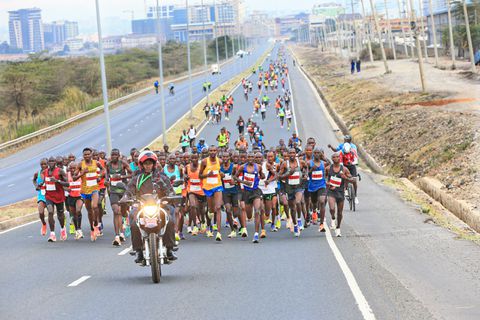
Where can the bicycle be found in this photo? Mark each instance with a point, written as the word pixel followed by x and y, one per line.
pixel 350 194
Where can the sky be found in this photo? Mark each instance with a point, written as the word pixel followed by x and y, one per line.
pixel 115 19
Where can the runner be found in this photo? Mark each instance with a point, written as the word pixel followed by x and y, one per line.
pixel 175 173
pixel 74 200
pixel 87 170
pixel 118 171
pixel 268 187
pixel 292 170
pixel 184 141
pixel 212 186
pixel 281 115
pixel 231 194
pixel 54 179
pixel 39 184
pixel 241 143
pixel 317 185
pixel 337 175
pixel 288 115
pixel 196 196
pixel 222 138
pixel 240 125
pixel 252 195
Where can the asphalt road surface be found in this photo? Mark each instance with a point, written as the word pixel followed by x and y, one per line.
pixel 128 125
pixel 388 260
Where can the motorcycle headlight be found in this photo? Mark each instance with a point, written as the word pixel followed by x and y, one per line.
pixel 150 211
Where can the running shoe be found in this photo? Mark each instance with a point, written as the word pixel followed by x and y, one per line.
pixel 43 231
pixel 315 216
pixel 77 235
pixel 300 224
pixel 189 229
pixel 209 234
pixel 100 230
pixel 334 224
pixel 284 216
pixel 93 236
pixel 321 228
pixel 273 228
pixel 296 231
pixel 255 237
pixel 195 231
pixel 232 234
pixel 338 233
pixel 215 228
pixel 278 224
pixel 63 234
pixel 203 228
pixel 80 234
pixel 72 228
pixel 177 236
pixel 122 237
pixel 244 233
pixel 52 237
pixel 182 237
pixel 288 225
pixel 116 242
pixel 263 234
pixel 268 221
pixel 218 237
pixel 96 231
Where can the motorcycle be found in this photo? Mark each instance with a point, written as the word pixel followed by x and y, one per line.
pixel 152 218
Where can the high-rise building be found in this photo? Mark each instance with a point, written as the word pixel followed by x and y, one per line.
pixel 57 32
pixel 26 29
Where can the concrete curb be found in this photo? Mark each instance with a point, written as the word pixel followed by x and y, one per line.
pixel 10 223
pixel 430 186
pixel 433 188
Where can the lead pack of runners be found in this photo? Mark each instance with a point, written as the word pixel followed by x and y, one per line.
pixel 283 187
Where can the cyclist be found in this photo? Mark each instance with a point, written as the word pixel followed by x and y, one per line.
pixel 349 158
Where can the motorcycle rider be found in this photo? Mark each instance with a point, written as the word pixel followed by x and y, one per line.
pixel 145 181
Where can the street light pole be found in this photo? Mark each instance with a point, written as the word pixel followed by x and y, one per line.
pixel 160 71
pixel 216 35
pixel 106 110
pixel 205 49
pixel 390 36
pixel 423 30
pixel 189 60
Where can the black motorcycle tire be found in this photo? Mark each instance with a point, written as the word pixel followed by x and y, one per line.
pixel 154 261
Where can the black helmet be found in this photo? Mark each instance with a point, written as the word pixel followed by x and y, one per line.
pixel 347 138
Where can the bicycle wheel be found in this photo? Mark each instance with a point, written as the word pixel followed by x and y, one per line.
pixel 351 197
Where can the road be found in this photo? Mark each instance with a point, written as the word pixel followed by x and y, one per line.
pixel 387 258
pixel 128 124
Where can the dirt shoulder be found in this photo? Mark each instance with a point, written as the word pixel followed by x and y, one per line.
pixel 411 134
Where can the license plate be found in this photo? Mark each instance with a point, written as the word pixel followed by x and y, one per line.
pixel 151 222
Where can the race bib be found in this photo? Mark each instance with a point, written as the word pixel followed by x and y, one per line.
pixel 294 179
pixel 227 180
pixel 91 179
pixel 335 181
pixel 317 175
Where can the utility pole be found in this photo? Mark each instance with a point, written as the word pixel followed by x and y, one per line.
pixel 469 37
pixel 160 70
pixel 450 34
pixel 403 30
pixel 414 28
pixel 106 109
pixel 379 34
pixel 434 32
pixel 390 36
pixel 410 8
pixel 423 30
pixel 369 44
pixel 189 60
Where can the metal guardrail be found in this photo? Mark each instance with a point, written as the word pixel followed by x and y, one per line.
pixel 85 114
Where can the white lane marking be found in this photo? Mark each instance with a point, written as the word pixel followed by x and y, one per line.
pixel 20 226
pixel 11 185
pixel 362 303
pixel 125 251
pixel 360 299
pixel 78 281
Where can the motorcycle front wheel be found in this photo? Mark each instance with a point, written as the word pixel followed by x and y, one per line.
pixel 154 262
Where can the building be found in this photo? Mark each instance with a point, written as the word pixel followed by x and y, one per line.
pixel 288 25
pixel 57 32
pixel 225 18
pixel 259 25
pixel 74 44
pixel 26 30
pixel 328 10
pixel 129 41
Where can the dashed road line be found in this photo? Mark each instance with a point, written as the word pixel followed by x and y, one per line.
pixel 78 281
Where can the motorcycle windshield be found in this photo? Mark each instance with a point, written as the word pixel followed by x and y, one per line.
pixel 149 200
